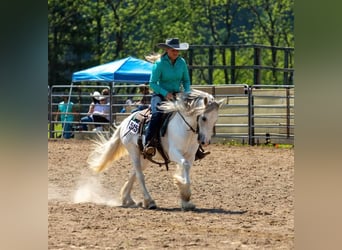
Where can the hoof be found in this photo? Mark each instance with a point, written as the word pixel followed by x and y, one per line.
pixel 187 206
pixel 130 203
pixel 139 204
pixel 150 204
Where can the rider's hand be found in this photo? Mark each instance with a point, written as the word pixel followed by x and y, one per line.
pixel 169 96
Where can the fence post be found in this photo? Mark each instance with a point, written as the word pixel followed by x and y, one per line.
pixel 251 141
pixel 211 58
pixel 224 63
pixel 51 124
pixel 286 65
pixel 111 107
pixel 257 64
pixel 232 63
pixel 288 112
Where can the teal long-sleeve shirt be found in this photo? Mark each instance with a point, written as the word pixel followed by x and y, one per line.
pixel 167 78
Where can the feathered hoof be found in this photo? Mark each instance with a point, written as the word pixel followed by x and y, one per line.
pixel 187 206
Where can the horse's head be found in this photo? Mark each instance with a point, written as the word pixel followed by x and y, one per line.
pixel 207 120
pixel 197 105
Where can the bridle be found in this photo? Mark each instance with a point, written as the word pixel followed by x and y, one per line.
pixel 191 128
pixel 208 108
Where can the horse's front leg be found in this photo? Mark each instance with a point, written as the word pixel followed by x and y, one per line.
pixel 182 181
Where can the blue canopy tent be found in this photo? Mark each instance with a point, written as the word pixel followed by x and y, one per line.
pixel 127 70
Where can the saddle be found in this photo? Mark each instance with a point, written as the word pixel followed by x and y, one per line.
pixel 143 118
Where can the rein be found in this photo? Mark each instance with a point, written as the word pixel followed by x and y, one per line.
pixel 191 128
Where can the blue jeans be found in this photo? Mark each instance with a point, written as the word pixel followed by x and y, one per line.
pixel 140 107
pixel 154 126
pixel 85 120
pixel 94 119
pixel 67 130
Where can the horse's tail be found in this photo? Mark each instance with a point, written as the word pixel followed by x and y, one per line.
pixel 106 151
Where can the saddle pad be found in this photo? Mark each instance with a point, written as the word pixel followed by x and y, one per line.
pixel 143 114
pixel 136 121
pixel 165 121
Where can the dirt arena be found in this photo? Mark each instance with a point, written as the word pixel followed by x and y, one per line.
pixel 244 197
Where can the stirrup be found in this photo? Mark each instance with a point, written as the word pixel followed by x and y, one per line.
pixel 149 150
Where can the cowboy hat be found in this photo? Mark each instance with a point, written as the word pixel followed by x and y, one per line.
pixel 97 96
pixel 173 43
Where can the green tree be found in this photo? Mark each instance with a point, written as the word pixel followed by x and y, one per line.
pixel 273 25
pixel 87 33
pixel 70 38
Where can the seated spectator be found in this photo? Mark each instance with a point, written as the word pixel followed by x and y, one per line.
pixel 145 100
pixel 105 92
pixel 128 106
pixel 99 111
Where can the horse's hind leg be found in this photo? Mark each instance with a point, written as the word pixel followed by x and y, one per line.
pixel 125 193
pixel 182 181
pixel 139 164
pixel 148 201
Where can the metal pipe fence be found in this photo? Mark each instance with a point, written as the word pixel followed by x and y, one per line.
pixel 253 115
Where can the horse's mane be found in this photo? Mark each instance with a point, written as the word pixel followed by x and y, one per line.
pixel 192 103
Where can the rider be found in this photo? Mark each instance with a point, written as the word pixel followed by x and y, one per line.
pixel 169 73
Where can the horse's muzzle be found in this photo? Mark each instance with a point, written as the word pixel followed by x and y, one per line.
pixel 202 140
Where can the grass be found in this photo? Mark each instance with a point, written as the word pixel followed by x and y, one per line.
pixel 238 143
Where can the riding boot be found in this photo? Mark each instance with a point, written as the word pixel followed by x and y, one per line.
pixel 200 154
pixel 151 134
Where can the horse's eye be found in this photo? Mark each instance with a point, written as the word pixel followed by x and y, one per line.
pixel 204 118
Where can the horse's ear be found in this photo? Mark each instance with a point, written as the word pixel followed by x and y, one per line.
pixel 205 101
pixel 220 102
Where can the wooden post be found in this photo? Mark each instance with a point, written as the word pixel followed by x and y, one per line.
pixel 257 64
pixel 286 65
pixel 224 63
pixel 210 70
pixel 232 63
